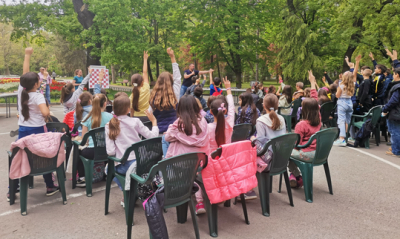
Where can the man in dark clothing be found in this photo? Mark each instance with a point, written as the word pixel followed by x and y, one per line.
pixel 365 92
pixel 187 78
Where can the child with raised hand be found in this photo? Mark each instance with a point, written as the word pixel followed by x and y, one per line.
pixel 220 131
pixel 196 84
pixel 165 95
pixel 33 111
pixel 140 92
pixel 69 96
pixel 122 131
pixel 189 131
pixel 95 119
pixel 344 104
pixel 247 111
pixel 309 125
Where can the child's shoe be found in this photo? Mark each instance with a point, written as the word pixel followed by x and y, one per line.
pixel 293 181
pixel 299 180
pixel 200 208
pixel 81 183
pixel 52 191
pixel 250 195
pixel 123 203
pixel 340 143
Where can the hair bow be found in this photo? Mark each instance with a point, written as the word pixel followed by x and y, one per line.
pixel 79 100
pixel 114 116
pixel 134 84
pixel 222 107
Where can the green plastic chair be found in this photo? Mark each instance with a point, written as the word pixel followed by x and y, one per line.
pixel 374 114
pixel 241 132
pixel 147 152
pixel 325 139
pixel 326 110
pixel 100 155
pixel 39 166
pixel 178 174
pixel 281 147
pixel 288 118
pixel 212 209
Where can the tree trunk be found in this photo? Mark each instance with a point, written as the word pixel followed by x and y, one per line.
pixel 149 70
pixel 85 18
pixel 114 74
pixel 238 80
pixel 354 40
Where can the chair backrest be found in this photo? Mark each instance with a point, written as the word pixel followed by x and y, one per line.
pixel 178 174
pixel 148 124
pixel 375 113
pixel 326 110
pixel 325 139
pixel 282 147
pixel 60 128
pixel 76 127
pixel 241 132
pixel 41 165
pixel 148 153
pixel 295 107
pixel 99 140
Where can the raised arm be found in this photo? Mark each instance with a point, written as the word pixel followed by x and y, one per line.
pixel 313 82
pixel 176 73
pixel 358 59
pixel 373 59
pixel 145 74
pixel 393 56
pixel 204 80
pixel 211 77
pixel 27 59
pixel 231 105
pixel 328 78
pixel 84 82
pixel 204 72
pixel 143 130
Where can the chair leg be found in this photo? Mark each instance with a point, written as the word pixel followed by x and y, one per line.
pixel 328 177
pixel 194 219
pixel 307 174
pixel 61 182
pixel 181 212
pixel 228 203
pixel 280 183
pixel 212 213
pixel 24 194
pixel 377 136
pixel 130 208
pixel 75 159
pixel 288 188
pixel 88 165
pixel 110 176
pixel 263 181
pixel 246 218
pixel 30 182
pixel 270 184
pixel 367 143
pixel 289 125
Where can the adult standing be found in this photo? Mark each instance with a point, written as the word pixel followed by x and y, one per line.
pixel 78 78
pixel 54 74
pixel 188 74
pixel 45 78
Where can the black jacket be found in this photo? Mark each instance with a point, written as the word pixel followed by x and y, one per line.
pixel 154 209
pixel 364 93
pixel 393 106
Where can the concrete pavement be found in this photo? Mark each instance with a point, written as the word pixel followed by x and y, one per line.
pixel 365 204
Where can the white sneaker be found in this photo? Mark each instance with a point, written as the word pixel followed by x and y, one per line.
pixel 340 143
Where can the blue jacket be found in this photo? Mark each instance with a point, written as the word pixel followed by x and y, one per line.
pixel 393 106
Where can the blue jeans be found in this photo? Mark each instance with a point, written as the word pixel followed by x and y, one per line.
pixel 345 111
pixel 47 94
pixel 164 145
pixel 121 169
pixel 183 91
pixel 394 129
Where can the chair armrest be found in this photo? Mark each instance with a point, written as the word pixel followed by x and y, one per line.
pixel 115 159
pixel 360 116
pixel 83 142
pixel 307 144
pixel 138 179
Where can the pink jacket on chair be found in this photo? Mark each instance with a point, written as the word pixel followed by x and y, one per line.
pixel 231 174
pixel 44 145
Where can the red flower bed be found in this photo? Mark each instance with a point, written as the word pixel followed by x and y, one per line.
pixel 8 80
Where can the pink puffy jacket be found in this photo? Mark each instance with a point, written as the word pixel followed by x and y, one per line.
pixel 231 174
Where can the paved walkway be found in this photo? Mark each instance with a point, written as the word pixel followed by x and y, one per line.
pixel 365 204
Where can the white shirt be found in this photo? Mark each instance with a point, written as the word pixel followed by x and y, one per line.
pixel 130 128
pixel 36 118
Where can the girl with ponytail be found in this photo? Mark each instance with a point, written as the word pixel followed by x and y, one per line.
pixel 69 96
pixel 220 131
pixel 122 131
pixel 83 108
pixel 140 92
pixel 33 112
pixel 95 119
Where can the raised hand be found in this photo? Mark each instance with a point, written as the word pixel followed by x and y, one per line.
pixel 324 79
pixel 358 58
pixel 28 51
pixel 211 70
pixel 389 53
pixel 145 55
pixel 371 55
pixel 347 59
pixel 90 70
pixel 151 117
pixel 170 52
pixel 311 77
pixel 227 83
pixel 394 55
pixel 351 65
pixel 204 76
